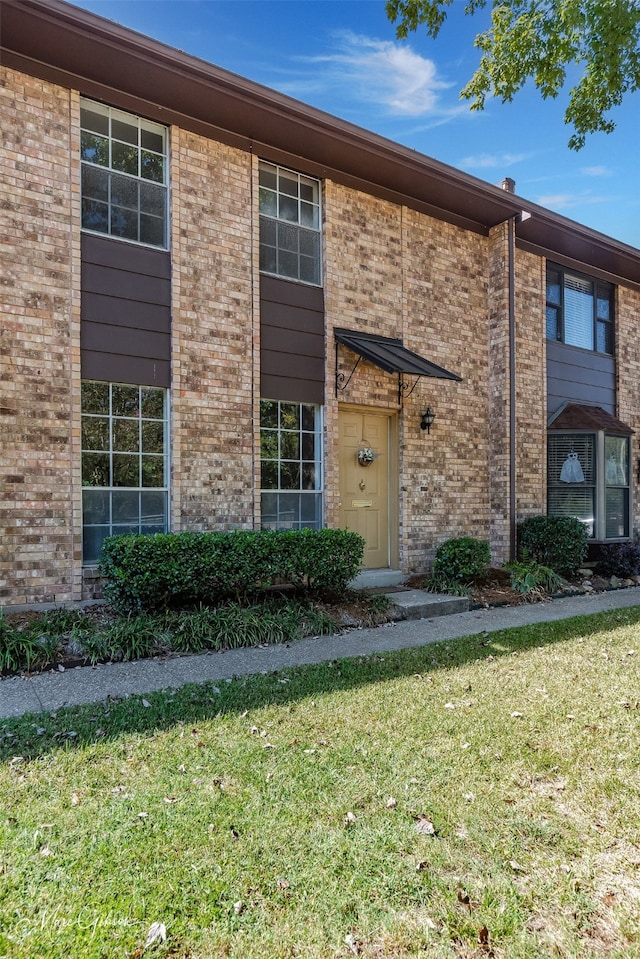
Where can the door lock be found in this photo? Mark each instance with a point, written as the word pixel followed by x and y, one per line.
pixel 362 484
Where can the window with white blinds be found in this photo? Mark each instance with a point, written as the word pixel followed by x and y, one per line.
pixel 572 498
pixel 588 477
pixel 579 310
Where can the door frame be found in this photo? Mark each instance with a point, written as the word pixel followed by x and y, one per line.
pixel 393 478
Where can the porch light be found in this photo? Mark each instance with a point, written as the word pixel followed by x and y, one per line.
pixel 427 419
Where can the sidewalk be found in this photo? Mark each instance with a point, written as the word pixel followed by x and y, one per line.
pixel 87 684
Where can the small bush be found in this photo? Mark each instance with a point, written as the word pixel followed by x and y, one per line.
pixel 559 542
pixel 461 560
pixel 620 559
pixel 25 647
pixel 530 578
pixel 182 570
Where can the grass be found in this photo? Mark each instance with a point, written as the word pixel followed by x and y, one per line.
pixel 289 815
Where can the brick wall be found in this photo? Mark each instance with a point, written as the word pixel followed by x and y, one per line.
pixel 395 272
pixel 628 372
pixel 39 342
pixel 213 340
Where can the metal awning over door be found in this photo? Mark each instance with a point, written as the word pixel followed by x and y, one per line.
pixel 389 355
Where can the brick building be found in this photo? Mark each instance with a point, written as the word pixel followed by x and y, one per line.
pixel 217 300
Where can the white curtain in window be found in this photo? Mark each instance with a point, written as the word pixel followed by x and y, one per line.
pixel 578 312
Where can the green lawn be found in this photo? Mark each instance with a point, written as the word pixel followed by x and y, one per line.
pixel 473 799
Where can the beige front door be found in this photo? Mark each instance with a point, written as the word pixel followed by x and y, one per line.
pixel 364 490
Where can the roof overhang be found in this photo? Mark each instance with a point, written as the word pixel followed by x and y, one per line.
pixel 64 44
pixel 388 354
pixel 576 417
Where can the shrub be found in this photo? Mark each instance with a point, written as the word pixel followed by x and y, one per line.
pixel 25 647
pixel 559 542
pixel 461 560
pixel 528 578
pixel 620 559
pixel 179 570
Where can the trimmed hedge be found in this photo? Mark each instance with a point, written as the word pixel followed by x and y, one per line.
pixel 559 542
pixel 179 570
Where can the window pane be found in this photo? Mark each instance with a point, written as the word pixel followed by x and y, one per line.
pixel 290 446
pixel 268 413
pixel 152 403
pixel 309 215
pixel 153 437
pixel 616 459
pixel 152 230
pixel 269 510
pixel 124 158
pixel 125 400
pixel 92 539
pixel 288 265
pixel 126 470
pixel 290 476
pixel 578 312
pixel 95 183
pixel 617 513
pixel 268 176
pixel 269 474
pixel 310 510
pixel 124 191
pixel 153 509
pixel 95 433
pixel 288 209
pixel 309 270
pixel 268 259
pixel 288 184
pixel 268 202
pixel 153 471
pixel 94 149
pixel 126 436
pixel 605 337
pixel 269 445
pixel 574 501
pixel 288 237
pixel 126 507
pixel 95 469
pixel 94 120
pixel 95 507
pixel 95 216
pixel 308 475
pixel 95 397
pixel 289 510
pixel 152 199
pixel 124 223
pixel 289 416
pixel 121 130
pixel 553 287
pixel 152 140
pixel 309 190
pixel 552 323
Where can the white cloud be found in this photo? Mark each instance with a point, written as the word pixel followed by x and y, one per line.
pixel 387 73
pixel 565 201
pixel 595 171
pixel 492 161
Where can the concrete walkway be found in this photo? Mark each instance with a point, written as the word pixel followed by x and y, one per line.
pixel 86 684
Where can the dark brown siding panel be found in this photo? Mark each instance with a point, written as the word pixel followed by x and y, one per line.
pixel 290 389
pixel 126 312
pixel 292 341
pixel 125 369
pixel 579 376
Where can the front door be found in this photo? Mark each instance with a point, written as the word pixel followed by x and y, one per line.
pixel 364 488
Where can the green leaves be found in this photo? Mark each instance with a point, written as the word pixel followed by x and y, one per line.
pixel 596 40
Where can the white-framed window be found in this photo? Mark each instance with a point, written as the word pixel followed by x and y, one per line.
pixel 579 310
pixel 588 477
pixel 125 462
pixel 290 465
pixel 290 224
pixel 124 175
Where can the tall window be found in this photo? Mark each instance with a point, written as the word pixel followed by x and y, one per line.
pixel 289 224
pixel 291 465
pixel 579 310
pixel 124 462
pixel 124 175
pixel 588 477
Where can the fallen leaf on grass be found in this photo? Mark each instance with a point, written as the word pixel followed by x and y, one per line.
pixel 282 883
pixel 353 944
pixel 349 819
pixel 420 866
pixel 158 931
pixel 516 866
pixel 391 803
pixel 424 825
pixel 238 907
pixel 515 714
pixel 483 936
pixel 146 704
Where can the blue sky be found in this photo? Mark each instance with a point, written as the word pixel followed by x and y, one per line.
pixel 342 56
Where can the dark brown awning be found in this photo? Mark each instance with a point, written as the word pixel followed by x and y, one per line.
pixel 390 355
pixel 575 416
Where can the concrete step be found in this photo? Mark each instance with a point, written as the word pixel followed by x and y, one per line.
pixel 418 604
pixel 375 578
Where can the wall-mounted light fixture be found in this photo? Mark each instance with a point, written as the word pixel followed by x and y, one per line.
pixel 427 419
